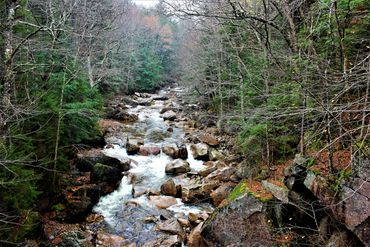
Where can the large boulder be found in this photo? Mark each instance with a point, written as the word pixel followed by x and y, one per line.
pixel 121 115
pixel 350 206
pixel 177 166
pixel 169 188
pixel 88 158
pixel 106 174
pixel 221 193
pixel 242 222
pixel 176 151
pixel 200 151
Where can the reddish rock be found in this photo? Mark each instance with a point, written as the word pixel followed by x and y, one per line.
pixel 206 171
pixel 110 240
pixel 172 226
pixel 209 139
pixel 195 238
pixel 169 188
pixel 162 202
pixel 176 151
pixel 149 150
pixel 350 206
pixel 221 193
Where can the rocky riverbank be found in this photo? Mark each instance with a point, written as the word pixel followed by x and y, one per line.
pixel 167 177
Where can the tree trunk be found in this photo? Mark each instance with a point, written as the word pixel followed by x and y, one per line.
pixel 9 75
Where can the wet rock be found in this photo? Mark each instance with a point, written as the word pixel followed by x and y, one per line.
pixel 172 226
pixel 94 218
pixel 160 97
pixel 280 192
pixel 169 115
pixel 133 146
pixel 209 139
pixel 116 139
pixel 177 166
pixel 166 109
pixel 145 102
pixel 221 193
pixel 133 203
pixel 215 155
pixel 138 190
pixel 103 173
pixel 121 115
pixel 162 202
pixel 200 151
pixel 169 188
pixel 78 207
pixel 88 158
pixel 195 238
pixel 105 239
pixel 150 219
pixel 176 151
pixel 240 223
pixel 149 150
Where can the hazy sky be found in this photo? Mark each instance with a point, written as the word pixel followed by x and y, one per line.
pixel 146 3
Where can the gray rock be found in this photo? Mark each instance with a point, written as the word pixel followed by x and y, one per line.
pixel 172 226
pixel 177 166
pixel 200 151
pixel 169 115
pixel 240 223
pixel 279 192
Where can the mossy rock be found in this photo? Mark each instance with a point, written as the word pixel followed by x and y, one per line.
pixel 253 188
pixel 103 173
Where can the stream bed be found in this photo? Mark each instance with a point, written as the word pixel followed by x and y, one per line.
pixel 134 218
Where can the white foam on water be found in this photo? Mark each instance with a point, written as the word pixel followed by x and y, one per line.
pixel 195 165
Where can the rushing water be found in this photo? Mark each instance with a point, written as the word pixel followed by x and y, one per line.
pixel 123 218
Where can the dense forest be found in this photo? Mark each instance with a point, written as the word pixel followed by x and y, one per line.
pixel 283 78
